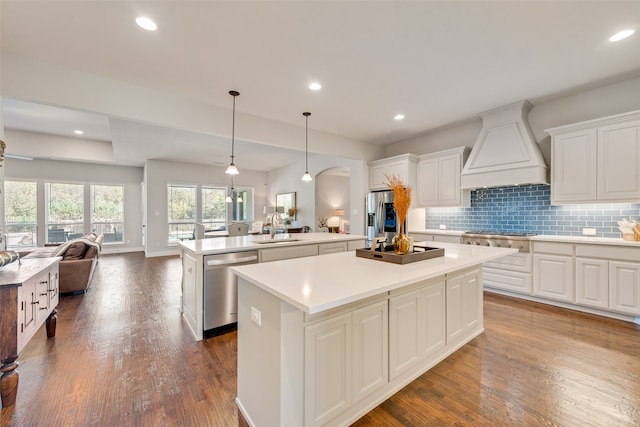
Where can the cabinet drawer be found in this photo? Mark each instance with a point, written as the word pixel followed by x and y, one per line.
pixel 553 248
pixel 619 253
pixel 507 280
pixel 516 262
pixel 277 254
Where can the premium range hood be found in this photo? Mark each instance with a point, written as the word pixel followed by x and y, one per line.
pixel 505 152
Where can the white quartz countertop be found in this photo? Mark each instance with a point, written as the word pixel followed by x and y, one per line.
pixel 318 283
pixel 220 245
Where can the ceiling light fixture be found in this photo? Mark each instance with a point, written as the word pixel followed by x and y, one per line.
pixel 146 23
pixel 232 170
pixel 78 132
pixel 621 35
pixel 398 116
pixel 315 86
pixel 232 194
pixel 307 176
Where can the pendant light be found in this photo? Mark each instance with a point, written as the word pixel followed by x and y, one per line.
pixel 232 194
pixel 307 176
pixel 232 170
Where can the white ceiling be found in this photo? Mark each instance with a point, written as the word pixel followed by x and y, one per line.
pixel 437 62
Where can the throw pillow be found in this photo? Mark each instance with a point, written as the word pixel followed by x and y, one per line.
pixel 75 250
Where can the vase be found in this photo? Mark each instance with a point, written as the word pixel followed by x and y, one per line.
pixel 401 242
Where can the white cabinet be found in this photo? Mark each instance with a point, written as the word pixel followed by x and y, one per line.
pixel 592 282
pixel 553 271
pixel 464 304
pixel 511 273
pixel 346 360
pixel 332 248
pixel 624 287
pixel 596 161
pixel 289 252
pixel 439 178
pixel 370 335
pixel 416 326
pixel 404 166
pixel 327 369
pixel 435 237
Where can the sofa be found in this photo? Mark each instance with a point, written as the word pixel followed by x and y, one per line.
pixel 79 259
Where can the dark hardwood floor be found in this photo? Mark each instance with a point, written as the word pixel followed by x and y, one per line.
pixel 122 356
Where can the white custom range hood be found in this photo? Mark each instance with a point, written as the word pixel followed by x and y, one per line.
pixel 505 152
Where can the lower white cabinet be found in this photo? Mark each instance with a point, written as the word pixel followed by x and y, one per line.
pixel 592 282
pixel 464 304
pixel 327 385
pixel 346 360
pixel 553 277
pixel 332 248
pixel 624 287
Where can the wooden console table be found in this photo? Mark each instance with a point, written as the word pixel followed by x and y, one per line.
pixel 28 298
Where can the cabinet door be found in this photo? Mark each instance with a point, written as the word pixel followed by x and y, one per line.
pixel 624 287
pixel 619 162
pixel 573 167
pixel 27 312
pixel 43 297
pixel 455 322
pixel 377 173
pixel 331 248
pixel 370 349
pixel 432 318
pixel 592 283
pixel 553 277
pixel 428 182
pixel 404 335
pixel 277 254
pixel 327 369
pixel 449 181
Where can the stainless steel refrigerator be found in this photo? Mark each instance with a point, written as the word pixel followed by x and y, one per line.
pixel 380 216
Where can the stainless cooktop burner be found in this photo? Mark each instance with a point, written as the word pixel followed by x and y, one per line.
pixel 502 239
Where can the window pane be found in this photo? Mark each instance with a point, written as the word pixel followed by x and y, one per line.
pixel 65 211
pixel 214 212
pixel 107 214
pixel 242 204
pixel 21 214
pixel 181 211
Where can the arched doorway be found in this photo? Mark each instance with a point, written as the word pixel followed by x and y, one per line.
pixel 333 198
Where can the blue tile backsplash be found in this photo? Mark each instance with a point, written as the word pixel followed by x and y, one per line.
pixel 528 208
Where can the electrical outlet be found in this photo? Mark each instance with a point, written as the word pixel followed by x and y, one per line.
pixel 443 226
pixel 256 316
pixel 588 231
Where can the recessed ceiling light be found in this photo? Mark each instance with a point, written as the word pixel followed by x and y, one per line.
pixel 78 132
pixel 399 116
pixel 146 23
pixel 621 35
pixel 315 86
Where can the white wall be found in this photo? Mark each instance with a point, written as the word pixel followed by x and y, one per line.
pixel 159 173
pixel 288 179
pixel 74 172
pixel 332 192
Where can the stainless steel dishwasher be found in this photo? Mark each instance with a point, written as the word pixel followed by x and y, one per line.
pixel 221 287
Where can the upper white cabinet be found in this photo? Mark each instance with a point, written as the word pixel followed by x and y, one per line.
pixel 404 166
pixel 596 161
pixel 439 178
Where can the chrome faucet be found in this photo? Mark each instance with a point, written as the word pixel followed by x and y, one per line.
pixel 275 221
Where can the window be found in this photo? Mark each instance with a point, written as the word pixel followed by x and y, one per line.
pixel 107 212
pixel 214 210
pixel 242 210
pixel 65 211
pixel 21 214
pixel 181 211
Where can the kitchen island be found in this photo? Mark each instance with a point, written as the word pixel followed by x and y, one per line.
pixel 254 248
pixel 323 340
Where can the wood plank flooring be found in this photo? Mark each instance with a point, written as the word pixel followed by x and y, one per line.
pixel 122 356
